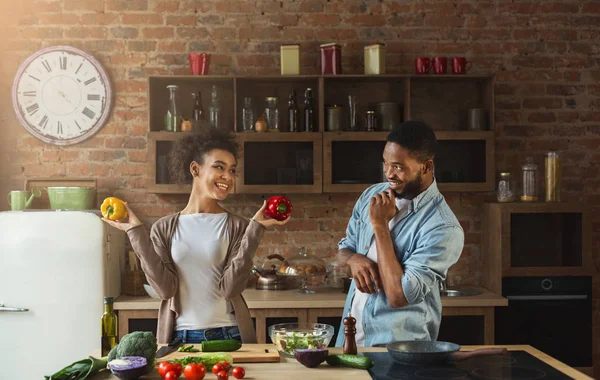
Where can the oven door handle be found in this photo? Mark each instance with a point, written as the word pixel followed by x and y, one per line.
pixel 548 297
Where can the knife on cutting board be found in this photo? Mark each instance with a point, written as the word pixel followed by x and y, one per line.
pixel 166 350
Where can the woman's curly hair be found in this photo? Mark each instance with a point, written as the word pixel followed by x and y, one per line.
pixel 194 147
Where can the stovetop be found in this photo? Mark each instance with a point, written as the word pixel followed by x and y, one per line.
pixel 515 365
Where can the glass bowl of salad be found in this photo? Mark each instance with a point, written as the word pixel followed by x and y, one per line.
pixel 291 336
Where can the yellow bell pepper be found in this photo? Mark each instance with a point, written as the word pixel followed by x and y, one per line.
pixel 113 209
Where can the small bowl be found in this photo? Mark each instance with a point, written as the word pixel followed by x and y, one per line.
pixel 289 337
pixel 151 291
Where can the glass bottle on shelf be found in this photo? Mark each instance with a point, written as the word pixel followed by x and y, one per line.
pixel 272 114
pixel 197 111
pixel 172 117
pixel 552 177
pixel 292 112
pixel 309 114
pixel 109 327
pixel 506 190
pixel 248 115
pixel 529 181
pixel 214 111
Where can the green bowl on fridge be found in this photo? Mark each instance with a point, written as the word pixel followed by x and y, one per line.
pixel 71 198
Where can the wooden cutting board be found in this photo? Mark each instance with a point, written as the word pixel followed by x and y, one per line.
pixel 43 203
pixel 249 353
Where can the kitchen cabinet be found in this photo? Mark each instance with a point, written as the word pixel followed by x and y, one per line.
pixel 325 306
pixel 535 239
pixel 324 161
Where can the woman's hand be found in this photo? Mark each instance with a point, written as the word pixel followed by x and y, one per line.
pixel 267 221
pixel 132 221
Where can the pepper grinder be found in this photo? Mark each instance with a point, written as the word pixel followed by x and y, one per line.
pixel 350 334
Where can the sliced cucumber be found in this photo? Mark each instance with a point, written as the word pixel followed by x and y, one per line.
pixel 221 345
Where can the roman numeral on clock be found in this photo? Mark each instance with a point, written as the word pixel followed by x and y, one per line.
pixel 89 113
pixel 29 93
pixel 89 81
pixel 32 109
pixel 78 126
pixel 59 128
pixel 47 66
pixel 43 122
pixel 93 97
pixel 63 63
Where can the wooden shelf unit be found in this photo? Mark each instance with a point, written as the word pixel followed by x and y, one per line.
pixel 465 161
pixel 571 240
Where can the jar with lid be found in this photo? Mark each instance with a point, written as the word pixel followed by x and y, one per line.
pixel 248 115
pixel 529 181
pixel 506 190
pixel 337 273
pixel 333 118
pixel 272 114
pixel 552 166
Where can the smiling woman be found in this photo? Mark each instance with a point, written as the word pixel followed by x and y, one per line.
pixel 198 260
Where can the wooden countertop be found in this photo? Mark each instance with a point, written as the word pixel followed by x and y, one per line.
pixel 292 370
pixel 323 298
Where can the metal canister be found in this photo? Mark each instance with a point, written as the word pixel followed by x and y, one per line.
pixel 334 118
pixel 388 115
pixel 371 121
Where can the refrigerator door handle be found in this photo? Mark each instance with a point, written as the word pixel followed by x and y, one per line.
pixel 15 309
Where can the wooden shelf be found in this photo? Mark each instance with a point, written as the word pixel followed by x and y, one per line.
pixel 157 152
pixel 442 100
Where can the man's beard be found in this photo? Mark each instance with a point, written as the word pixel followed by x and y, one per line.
pixel 411 189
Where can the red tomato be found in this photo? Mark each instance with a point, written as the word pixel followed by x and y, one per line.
pixel 217 368
pixel 226 366
pixel 222 375
pixel 239 372
pixel 164 367
pixel 194 371
pixel 178 369
pixel 171 375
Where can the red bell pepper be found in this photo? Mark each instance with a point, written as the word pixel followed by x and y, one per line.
pixel 278 207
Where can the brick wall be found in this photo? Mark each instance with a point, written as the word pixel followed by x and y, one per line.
pixel 545 53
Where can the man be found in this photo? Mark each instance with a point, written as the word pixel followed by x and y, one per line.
pixel 400 241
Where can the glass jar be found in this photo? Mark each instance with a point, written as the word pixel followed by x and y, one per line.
pixel 173 117
pixel 272 114
pixel 371 120
pixel 214 111
pixel 248 118
pixel 333 118
pixel 552 163
pixel 529 181
pixel 506 190
pixel 337 273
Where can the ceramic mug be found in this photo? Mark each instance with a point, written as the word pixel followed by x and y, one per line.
pixel 422 65
pixel 460 65
pixel 439 65
pixel 21 199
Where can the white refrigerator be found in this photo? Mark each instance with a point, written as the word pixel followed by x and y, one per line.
pixel 55 269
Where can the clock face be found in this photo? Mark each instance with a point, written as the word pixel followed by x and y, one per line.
pixel 61 95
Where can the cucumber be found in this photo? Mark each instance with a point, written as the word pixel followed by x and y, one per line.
pixel 221 345
pixel 347 360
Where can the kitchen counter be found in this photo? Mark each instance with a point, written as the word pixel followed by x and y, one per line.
pixel 323 298
pixel 292 370
pixel 326 303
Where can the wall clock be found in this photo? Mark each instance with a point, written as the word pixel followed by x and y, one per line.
pixel 61 95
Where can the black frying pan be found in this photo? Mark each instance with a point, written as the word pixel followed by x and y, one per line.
pixel 434 352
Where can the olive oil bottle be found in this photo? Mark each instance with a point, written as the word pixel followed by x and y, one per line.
pixel 110 327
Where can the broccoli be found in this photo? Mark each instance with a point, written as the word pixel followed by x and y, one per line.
pixel 139 343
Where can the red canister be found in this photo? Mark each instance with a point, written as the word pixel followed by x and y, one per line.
pixel 331 59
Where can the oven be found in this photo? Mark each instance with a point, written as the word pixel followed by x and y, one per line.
pixel 552 314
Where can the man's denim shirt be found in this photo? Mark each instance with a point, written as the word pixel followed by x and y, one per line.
pixel 427 241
